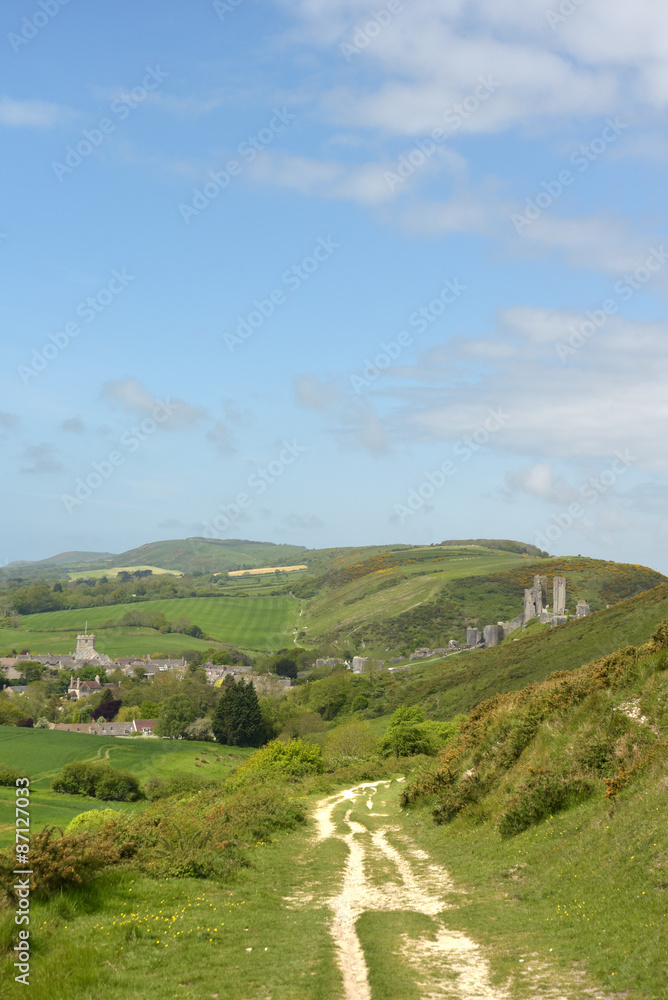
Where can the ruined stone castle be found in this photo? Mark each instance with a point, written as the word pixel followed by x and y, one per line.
pixel 535 606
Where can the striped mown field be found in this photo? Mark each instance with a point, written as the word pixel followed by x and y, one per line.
pixel 250 622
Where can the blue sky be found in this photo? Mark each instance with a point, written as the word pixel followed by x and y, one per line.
pixel 332 273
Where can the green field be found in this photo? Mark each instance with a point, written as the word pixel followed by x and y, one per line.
pixel 113 641
pixel 253 623
pixel 42 753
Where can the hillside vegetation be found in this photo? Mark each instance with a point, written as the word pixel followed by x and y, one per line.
pixel 553 798
pixel 424 597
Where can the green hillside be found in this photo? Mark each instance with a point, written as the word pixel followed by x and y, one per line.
pixel 458 682
pixel 211 555
pixel 553 800
pixel 255 623
pixel 403 599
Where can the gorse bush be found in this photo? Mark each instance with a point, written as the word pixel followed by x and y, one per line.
pixel 59 861
pixel 293 759
pixel 180 785
pixel 91 821
pixel 544 794
pixel 206 836
pixel 99 780
pixel 576 734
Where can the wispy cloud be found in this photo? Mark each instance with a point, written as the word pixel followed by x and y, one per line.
pixel 132 395
pixel 33 114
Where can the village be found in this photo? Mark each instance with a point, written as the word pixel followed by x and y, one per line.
pixel 138 668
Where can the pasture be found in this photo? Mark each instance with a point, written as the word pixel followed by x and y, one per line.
pixel 253 623
pixel 42 753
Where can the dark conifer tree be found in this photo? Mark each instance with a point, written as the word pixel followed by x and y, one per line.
pixel 237 720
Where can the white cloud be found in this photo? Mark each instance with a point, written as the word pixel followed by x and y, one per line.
pixel 607 397
pixel 131 394
pixel 34 114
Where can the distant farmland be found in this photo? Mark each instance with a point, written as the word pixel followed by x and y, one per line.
pixel 250 622
pixel 266 569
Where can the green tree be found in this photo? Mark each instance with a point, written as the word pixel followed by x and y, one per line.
pixel 285 666
pixel 177 713
pixel 237 720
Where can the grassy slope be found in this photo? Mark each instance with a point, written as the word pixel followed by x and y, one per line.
pixel 392 590
pixel 260 623
pixel 41 754
pixel 427 596
pixel 457 683
pixel 590 882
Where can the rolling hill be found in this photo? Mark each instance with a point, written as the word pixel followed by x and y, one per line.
pixel 186 555
pixel 403 599
pixel 459 682
pixel 377 599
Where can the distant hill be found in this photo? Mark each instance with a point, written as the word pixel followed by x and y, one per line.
pixel 183 555
pixel 63 559
pixel 215 555
pixel 503 544
pixel 211 555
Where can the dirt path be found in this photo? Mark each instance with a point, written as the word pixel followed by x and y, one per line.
pixel 381 876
